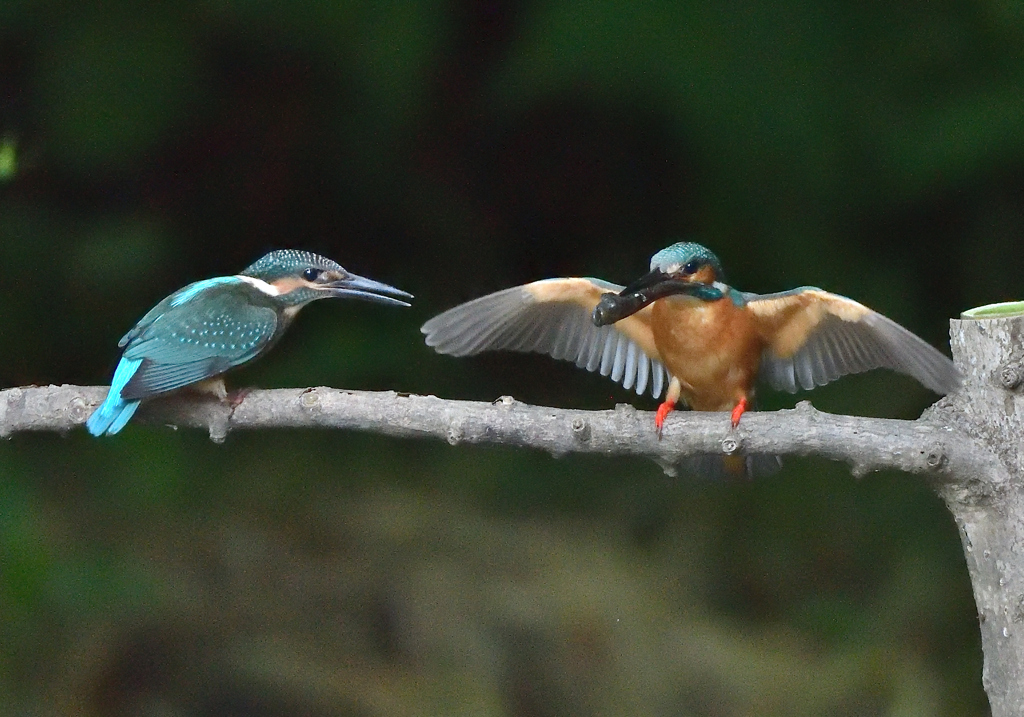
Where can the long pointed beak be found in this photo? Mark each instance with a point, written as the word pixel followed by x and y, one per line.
pixel 642 292
pixel 647 281
pixel 354 286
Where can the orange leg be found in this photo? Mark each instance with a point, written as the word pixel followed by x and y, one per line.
pixel 669 404
pixel 663 410
pixel 738 411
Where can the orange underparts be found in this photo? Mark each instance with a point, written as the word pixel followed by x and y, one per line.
pixel 663 410
pixel 738 410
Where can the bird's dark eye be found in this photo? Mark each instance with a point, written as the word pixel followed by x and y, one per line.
pixel 691 267
pixel 311 274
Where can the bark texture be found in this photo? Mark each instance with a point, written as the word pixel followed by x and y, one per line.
pixel 987 502
pixel 922 446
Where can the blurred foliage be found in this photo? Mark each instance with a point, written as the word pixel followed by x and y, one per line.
pixel 8 157
pixel 454 149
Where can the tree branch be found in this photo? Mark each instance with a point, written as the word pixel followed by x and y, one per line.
pixel 923 446
pixel 968 444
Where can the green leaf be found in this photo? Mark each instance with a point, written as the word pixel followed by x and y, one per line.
pixel 1001 310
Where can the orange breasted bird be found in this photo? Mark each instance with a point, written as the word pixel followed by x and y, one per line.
pixel 211 326
pixel 682 331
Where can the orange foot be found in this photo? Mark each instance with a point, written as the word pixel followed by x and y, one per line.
pixel 738 411
pixel 659 418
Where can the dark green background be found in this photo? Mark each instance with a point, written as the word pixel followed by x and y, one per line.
pixel 451 149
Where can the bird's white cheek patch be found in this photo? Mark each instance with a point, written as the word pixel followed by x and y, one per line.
pixel 268 289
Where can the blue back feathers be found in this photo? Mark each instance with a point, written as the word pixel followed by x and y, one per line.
pixel 183 295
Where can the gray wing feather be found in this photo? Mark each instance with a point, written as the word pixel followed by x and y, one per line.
pixel 837 347
pixel 642 373
pixel 630 366
pixel 514 320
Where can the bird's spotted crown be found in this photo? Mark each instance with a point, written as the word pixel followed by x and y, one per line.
pixel 681 253
pixel 287 262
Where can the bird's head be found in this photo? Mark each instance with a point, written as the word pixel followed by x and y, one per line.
pixel 685 261
pixel 685 268
pixel 298 277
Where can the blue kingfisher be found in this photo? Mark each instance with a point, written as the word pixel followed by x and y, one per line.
pixel 208 327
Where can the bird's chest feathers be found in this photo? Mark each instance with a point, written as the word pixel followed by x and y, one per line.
pixel 710 346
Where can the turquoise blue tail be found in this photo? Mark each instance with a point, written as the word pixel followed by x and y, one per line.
pixel 114 412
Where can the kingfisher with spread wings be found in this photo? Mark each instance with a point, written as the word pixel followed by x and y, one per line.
pixel 682 332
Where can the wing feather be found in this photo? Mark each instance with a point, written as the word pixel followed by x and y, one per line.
pixel 643 367
pixel 210 332
pixel 814 337
pixel 596 350
pixel 566 338
pixel 610 344
pixel 554 317
pixel 828 356
pixel 629 377
pixel 659 377
pixel 619 364
pixel 153 378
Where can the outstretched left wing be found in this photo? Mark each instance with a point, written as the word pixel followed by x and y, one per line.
pixel 553 316
pixel 814 337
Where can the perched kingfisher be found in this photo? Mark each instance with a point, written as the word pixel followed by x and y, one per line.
pixel 210 326
pixel 682 328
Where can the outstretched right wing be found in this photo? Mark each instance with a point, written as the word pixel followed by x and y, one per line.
pixel 815 336
pixel 554 317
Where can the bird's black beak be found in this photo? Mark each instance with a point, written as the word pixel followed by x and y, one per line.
pixel 354 286
pixel 642 292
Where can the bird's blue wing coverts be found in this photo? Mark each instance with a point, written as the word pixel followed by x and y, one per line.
pixel 215 328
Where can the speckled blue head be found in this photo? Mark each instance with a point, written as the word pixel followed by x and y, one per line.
pixel 674 259
pixel 289 262
pixel 296 277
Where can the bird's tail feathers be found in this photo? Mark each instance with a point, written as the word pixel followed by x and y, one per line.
pixel 114 412
pixel 111 416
